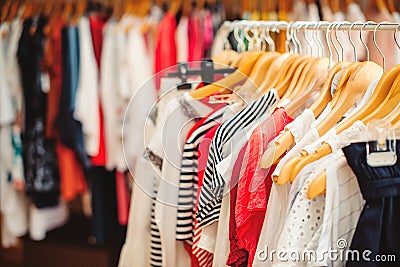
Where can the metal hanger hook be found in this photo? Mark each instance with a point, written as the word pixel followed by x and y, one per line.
pixel 362 40
pixel 377 46
pixel 329 47
pixel 333 25
pixel 338 39
pixel 309 43
pixel 395 34
pixel 351 40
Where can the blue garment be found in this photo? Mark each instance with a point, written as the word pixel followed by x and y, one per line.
pixel 378 228
pixel 71 134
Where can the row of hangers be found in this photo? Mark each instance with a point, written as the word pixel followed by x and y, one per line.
pixel 279 9
pixel 297 76
pixel 73 9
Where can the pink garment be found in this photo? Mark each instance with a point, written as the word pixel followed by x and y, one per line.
pixel 208 34
pixel 196 39
pixel 165 55
pixel 255 183
pixel 384 40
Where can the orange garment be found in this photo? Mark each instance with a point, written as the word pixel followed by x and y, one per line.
pixel 52 66
pixel 72 178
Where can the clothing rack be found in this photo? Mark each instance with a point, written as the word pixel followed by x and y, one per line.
pixel 317 25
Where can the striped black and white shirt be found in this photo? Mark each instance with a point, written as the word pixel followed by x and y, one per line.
pixel 212 190
pixel 189 180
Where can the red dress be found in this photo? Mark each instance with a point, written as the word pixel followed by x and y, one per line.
pixel 254 184
pixel 165 55
pixel 201 257
pixel 97 24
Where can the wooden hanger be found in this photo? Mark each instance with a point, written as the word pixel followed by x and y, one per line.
pixel 67 10
pixel 391 6
pixel 226 57
pixel 144 8
pixel 175 6
pixel 381 6
pixel 335 6
pixel 393 116
pixel 53 17
pixel 28 10
pixel 274 152
pixel 288 73
pixel 345 98
pixel 380 95
pixel 396 125
pixel 318 185
pixel 200 4
pixel 349 2
pixel 48 8
pixel 39 7
pixel 257 74
pixel 5 8
pixel 129 7
pixel 273 72
pixel 187 8
pixel 233 79
pixel 236 61
pixel 117 11
pixel 13 11
pixel 315 78
pixel 299 101
pixel 80 9
pixel 299 77
pixel 356 86
pixel 288 64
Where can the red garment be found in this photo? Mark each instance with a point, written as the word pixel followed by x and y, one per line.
pixel 255 183
pixel 165 55
pixel 237 256
pixel 122 198
pixel 199 255
pixel 97 24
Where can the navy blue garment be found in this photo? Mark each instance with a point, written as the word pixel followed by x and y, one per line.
pixel 71 134
pixel 378 228
pixel 104 203
pixel 40 162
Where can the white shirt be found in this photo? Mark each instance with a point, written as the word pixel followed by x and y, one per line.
pixel 136 250
pixel 222 245
pixel 87 95
pixel 343 206
pixel 167 143
pixel 182 40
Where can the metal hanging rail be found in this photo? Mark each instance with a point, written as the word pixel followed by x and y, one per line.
pixel 317 25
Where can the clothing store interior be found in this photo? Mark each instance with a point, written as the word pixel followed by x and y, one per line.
pixel 199 133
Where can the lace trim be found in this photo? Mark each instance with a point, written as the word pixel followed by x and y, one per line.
pixel 155 160
pixel 187 109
